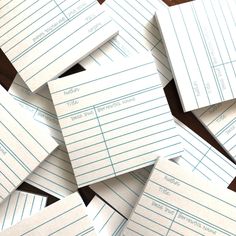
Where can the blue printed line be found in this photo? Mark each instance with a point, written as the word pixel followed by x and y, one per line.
pixel 139 92
pixel 12 9
pixel 51 219
pixel 205 44
pixel 9 39
pixel 42 40
pixel 16 157
pixel 103 77
pixel 25 130
pixel 71 223
pixel 202 191
pixel 182 54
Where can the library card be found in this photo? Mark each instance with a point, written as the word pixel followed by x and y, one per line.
pixel 65 217
pixel 18 206
pixel 203 159
pixel 106 220
pixel 199 156
pixel 122 192
pixel 220 120
pixel 138 32
pixel 22 145
pixel 55 175
pixel 115 120
pixel 42 39
pixel 177 202
pixel 200 39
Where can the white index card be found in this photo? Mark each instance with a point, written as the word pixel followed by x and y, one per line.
pixel 115 120
pixel 200 39
pixel 65 217
pixel 199 156
pixel 122 192
pixel 203 159
pixel 22 145
pixel 220 120
pixel 42 39
pixel 106 220
pixel 18 206
pixel 177 202
pixel 138 33
pixel 55 175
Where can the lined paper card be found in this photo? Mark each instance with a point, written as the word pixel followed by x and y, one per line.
pixel 200 157
pixel 18 206
pixel 177 202
pixel 106 220
pixel 22 145
pixel 42 39
pixel 55 175
pixel 115 121
pixel 220 120
pixel 65 217
pixel 200 39
pixel 138 33
pixel 122 192
pixel 203 159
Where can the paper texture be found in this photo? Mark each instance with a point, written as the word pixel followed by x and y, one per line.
pixel 122 192
pixel 138 33
pixel 106 220
pixel 55 175
pixel 203 159
pixel 65 217
pixel 18 206
pixel 116 120
pixel 22 145
pixel 200 39
pixel 220 120
pixel 200 157
pixel 43 39
pixel 177 202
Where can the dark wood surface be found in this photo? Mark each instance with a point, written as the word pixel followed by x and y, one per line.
pixel 7 74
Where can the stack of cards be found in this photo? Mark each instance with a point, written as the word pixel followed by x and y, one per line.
pixel 110 127
pixel 65 217
pixel 43 39
pixel 200 40
pixel 22 145
pixel 176 202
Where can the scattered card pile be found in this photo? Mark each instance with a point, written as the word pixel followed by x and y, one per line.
pixel 110 127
